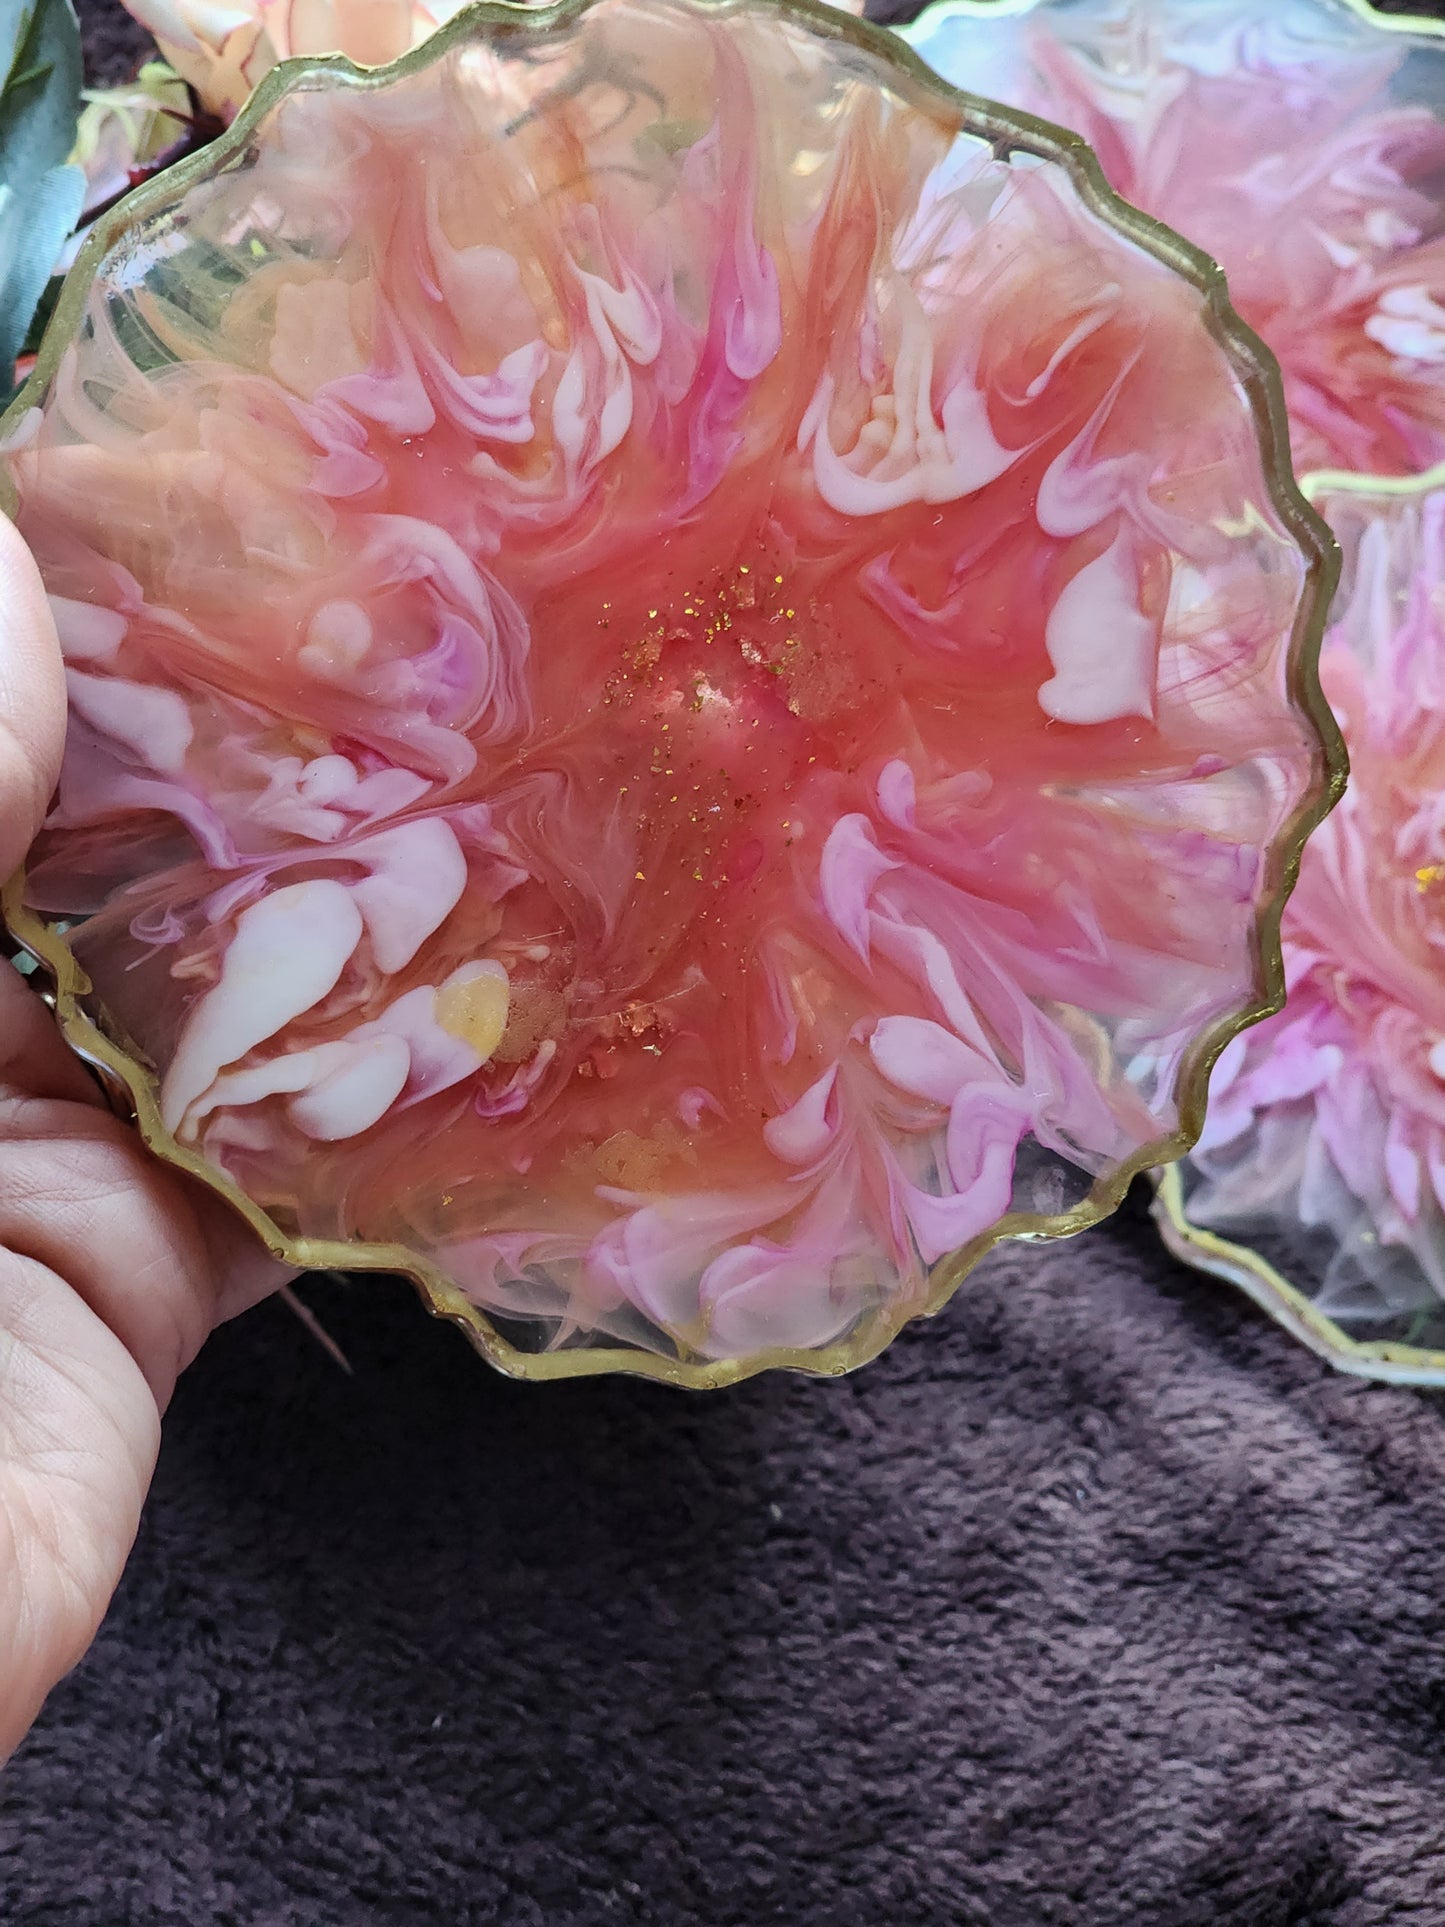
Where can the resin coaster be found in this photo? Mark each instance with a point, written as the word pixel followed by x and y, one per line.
pixel 692 684
pixel 1318 1182
pixel 225 51
pixel 1300 142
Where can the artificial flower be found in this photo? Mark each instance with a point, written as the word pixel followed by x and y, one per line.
pixel 123 130
pixel 225 47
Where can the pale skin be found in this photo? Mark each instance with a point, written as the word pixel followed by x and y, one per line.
pixel 113 1271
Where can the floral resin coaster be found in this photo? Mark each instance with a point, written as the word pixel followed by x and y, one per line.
pixel 1324 1147
pixel 1300 142
pixel 224 51
pixel 691 679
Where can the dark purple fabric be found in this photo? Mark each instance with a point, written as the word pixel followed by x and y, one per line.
pixel 115 44
pixel 1095 1602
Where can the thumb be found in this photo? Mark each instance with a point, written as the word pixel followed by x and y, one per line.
pixel 32 699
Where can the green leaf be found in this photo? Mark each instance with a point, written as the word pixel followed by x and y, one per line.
pixel 40 94
pixel 40 197
pixel 33 229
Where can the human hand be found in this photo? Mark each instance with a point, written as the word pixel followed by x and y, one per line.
pixel 113 1270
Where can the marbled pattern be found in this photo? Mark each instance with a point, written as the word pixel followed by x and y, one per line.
pixel 680 676
pixel 1331 1116
pixel 1300 144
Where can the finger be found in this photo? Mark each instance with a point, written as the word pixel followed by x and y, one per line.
pixel 245 1271
pixel 34 1057
pixel 32 700
pixel 157 1260
pixel 78 1437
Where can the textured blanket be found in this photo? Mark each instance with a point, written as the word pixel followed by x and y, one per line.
pixel 1094 1601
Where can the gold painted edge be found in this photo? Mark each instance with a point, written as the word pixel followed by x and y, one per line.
pixel 1428 30
pixel 1259 375
pixel 1427 27
pixel 1286 1304
pixel 1207 1251
pixel 1240 1264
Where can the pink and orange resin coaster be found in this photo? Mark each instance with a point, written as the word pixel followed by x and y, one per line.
pixel 691 679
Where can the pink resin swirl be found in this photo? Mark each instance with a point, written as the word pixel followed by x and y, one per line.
pixel 1331 1116
pixel 1300 145
pixel 680 676
pixel 225 48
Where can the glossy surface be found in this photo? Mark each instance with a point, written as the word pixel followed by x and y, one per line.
pixel 224 48
pixel 1301 143
pixel 688 688
pixel 1324 1148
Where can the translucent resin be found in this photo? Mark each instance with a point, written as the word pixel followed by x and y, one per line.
pixel 1325 1141
pixel 226 50
pixel 691 688
pixel 1300 142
